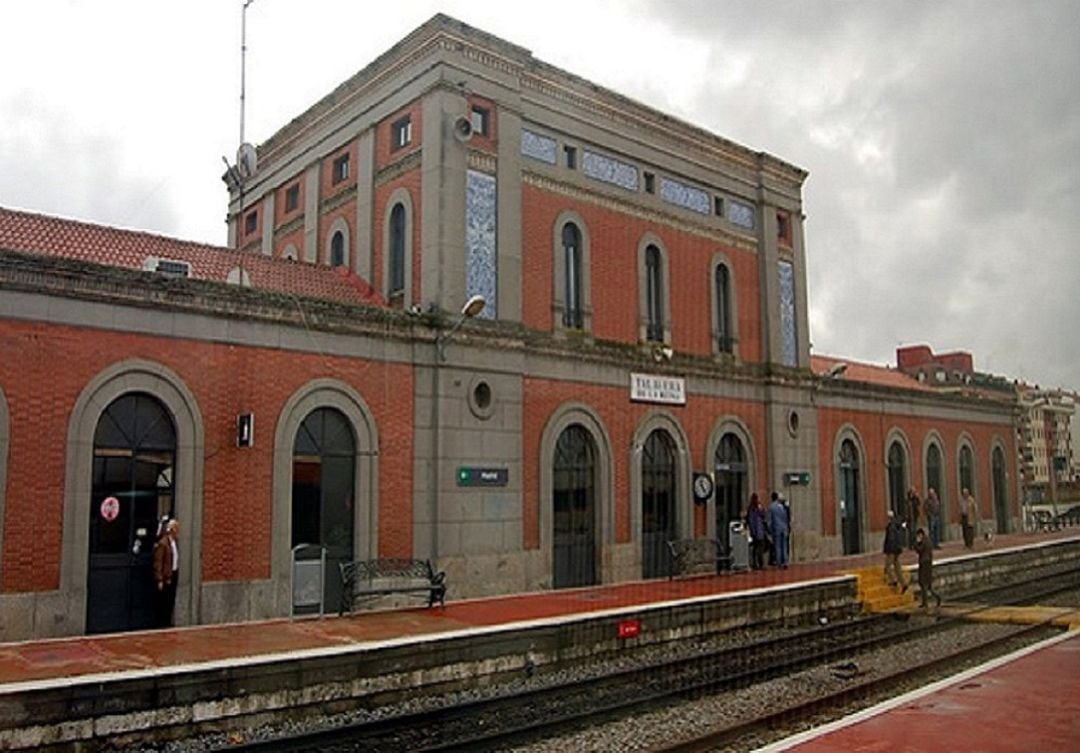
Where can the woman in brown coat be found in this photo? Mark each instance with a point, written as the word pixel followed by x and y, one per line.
pixel 163 577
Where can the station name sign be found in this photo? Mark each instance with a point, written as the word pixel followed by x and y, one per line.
pixel 649 388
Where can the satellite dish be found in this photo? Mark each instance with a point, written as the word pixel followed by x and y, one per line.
pixel 246 160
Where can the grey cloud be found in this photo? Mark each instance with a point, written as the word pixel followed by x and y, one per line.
pixel 943 144
pixel 49 165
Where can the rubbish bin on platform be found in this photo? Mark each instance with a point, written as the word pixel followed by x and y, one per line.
pixel 738 546
pixel 309 579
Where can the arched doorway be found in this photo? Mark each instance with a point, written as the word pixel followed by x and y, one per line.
pixel 324 467
pixel 134 458
pixel 897 467
pixel 574 509
pixel 1001 499
pixel 658 523
pixel 967 471
pixel 850 501
pixel 934 480
pixel 729 464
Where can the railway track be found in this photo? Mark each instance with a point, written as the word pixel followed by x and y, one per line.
pixel 501 722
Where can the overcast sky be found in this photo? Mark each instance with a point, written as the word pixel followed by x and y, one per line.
pixel 942 138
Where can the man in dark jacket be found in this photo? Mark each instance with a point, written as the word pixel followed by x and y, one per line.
pixel 759 532
pixel 926 568
pixel 894 546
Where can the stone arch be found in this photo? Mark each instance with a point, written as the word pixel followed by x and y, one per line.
pixel 133 375
pixel 934 438
pixel 339 225
pixel 647 240
pixel 730 424
pixel 566 415
pixel 658 419
pixel 559 302
pixel 403 197
pixel 720 258
pixel 290 253
pixel 848 432
pixel 998 445
pixel 897 435
pixel 322 393
pixel 966 441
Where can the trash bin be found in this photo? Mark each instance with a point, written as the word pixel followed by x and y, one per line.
pixel 309 577
pixel 738 546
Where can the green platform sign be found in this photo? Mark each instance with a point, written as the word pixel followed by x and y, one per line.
pixel 797 478
pixel 471 476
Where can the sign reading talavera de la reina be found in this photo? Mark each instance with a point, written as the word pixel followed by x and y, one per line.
pixel 649 388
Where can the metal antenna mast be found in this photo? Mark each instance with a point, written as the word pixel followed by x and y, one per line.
pixel 243 62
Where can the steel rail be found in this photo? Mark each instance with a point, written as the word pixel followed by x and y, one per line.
pixel 605 697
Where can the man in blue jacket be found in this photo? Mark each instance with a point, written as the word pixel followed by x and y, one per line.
pixel 780 526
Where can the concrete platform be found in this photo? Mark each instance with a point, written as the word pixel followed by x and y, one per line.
pixel 1027 701
pixel 58 692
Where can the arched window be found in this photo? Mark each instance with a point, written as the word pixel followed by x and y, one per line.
pixel 1001 497
pixel 933 470
pixel 134 460
pixel 967 468
pixel 724 333
pixel 850 498
pixel 571 243
pixel 324 457
pixel 654 292
pixel 574 507
pixel 731 488
pixel 397 250
pixel 897 466
pixel 337 249
pixel 658 524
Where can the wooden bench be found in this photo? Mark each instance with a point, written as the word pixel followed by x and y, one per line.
pixel 363 579
pixel 687 554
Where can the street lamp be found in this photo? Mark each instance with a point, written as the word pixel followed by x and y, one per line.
pixel 472 307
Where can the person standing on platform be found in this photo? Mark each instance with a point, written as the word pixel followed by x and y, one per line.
pixel 913 505
pixel 791 525
pixel 925 551
pixel 894 546
pixel 756 524
pixel 933 517
pixel 163 576
pixel 173 529
pixel 969 516
pixel 779 525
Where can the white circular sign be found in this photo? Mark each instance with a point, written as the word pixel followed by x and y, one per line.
pixel 703 486
pixel 110 509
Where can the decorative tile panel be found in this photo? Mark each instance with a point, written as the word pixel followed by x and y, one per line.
pixel 687 197
pixel 481 265
pixel 609 170
pixel 740 214
pixel 789 355
pixel 543 148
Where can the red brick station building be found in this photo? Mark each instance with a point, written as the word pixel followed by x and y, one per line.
pixel 645 320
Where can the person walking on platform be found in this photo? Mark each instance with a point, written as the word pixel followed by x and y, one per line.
pixel 758 527
pixel 933 517
pixel 969 516
pixel 925 551
pixel 780 527
pixel 894 546
pixel 912 520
